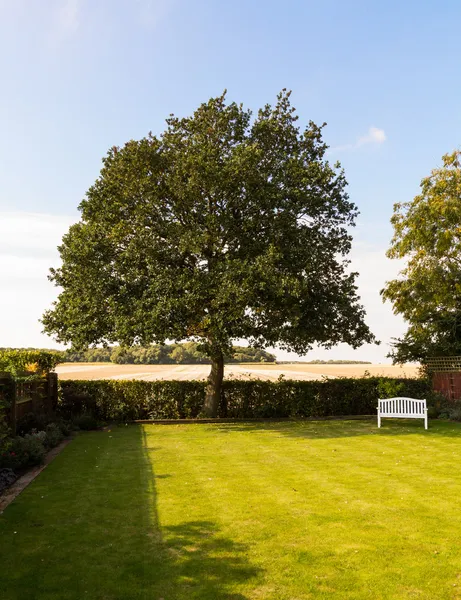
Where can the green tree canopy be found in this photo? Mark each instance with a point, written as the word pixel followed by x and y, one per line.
pixel 223 227
pixel 427 233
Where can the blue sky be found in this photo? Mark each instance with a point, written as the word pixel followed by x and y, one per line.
pixel 79 76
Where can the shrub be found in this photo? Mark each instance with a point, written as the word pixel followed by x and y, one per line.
pixel 7 477
pixel 31 421
pixel 433 412
pixel 86 422
pixel 39 435
pixel 390 388
pixel 65 427
pixel 115 400
pixel 7 455
pixel 53 435
pixel 455 414
pixel 28 450
pixel 451 410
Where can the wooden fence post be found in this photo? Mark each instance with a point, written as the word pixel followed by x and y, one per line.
pixel 13 417
pixel 10 394
pixel 52 391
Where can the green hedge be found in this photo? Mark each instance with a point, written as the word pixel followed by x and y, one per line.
pixel 109 400
pixel 129 400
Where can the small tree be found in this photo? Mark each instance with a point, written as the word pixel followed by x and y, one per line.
pixel 219 229
pixel 427 233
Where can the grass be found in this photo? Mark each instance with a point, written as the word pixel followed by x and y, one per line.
pixel 284 511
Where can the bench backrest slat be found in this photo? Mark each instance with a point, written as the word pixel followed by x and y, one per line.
pixel 402 406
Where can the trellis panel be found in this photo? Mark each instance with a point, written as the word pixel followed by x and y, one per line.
pixel 444 364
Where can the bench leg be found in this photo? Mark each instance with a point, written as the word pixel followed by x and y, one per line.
pixel 379 420
pixel 425 420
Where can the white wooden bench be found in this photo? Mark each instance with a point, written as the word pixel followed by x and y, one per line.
pixel 402 408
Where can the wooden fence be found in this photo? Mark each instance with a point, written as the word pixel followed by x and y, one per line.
pixel 446 376
pixel 38 396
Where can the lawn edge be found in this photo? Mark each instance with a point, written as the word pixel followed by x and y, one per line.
pixel 252 420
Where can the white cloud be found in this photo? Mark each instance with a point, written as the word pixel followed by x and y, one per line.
pixel 55 22
pixel 30 234
pixel 21 307
pixel 374 136
pixel 8 7
pixel 68 16
pixel 28 248
pixel 22 268
pixel 50 20
pixel 12 14
pixel 11 7
pixel 152 12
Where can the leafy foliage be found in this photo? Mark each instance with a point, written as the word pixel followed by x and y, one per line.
pixel 30 448
pixel 41 422
pixel 53 435
pixel 109 400
pixel 390 388
pixel 32 421
pixel 428 293
pixel 85 422
pixel 222 228
pixel 7 477
pixel 18 362
pixel 24 451
pixel 451 411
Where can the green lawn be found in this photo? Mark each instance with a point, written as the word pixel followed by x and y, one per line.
pixel 276 511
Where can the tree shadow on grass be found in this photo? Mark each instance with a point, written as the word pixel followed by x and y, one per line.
pixel 330 429
pixel 198 561
pixel 88 528
pixel 205 563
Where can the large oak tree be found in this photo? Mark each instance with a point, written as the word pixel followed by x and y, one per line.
pixel 427 234
pixel 224 227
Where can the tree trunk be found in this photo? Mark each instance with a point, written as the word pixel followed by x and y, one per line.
pixel 213 388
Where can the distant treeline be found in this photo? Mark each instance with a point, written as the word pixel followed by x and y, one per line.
pixel 324 362
pixel 168 354
pixel 339 362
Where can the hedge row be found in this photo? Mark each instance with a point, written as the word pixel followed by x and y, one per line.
pixel 109 400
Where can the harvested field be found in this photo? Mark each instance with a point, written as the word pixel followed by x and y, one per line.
pixel 241 371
